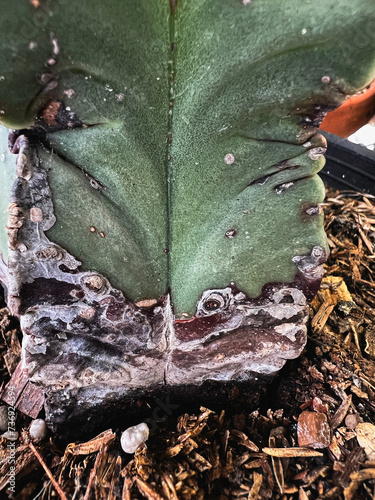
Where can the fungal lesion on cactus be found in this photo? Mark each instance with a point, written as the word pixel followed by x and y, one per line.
pixel 214 301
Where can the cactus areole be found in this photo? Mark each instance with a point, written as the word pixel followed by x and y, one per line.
pixel 159 199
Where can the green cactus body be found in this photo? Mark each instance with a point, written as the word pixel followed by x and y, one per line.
pixel 232 85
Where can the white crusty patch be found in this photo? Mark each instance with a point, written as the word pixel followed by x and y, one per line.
pixel 289 330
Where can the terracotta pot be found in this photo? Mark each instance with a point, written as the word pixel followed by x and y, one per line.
pixel 355 112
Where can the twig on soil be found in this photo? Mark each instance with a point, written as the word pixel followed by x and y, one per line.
pixel 48 472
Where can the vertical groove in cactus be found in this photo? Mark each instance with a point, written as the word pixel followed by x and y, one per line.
pixel 174 148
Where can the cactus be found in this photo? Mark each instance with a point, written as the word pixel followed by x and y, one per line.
pixel 164 221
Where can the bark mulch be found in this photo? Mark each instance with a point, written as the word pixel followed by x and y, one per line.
pixel 315 439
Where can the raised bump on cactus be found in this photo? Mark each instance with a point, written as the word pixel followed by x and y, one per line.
pixel 164 222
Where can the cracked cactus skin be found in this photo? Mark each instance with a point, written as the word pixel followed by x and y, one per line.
pixel 167 153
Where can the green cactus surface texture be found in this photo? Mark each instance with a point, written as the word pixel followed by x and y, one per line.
pixel 188 156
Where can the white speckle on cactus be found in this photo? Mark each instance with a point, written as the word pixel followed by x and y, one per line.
pixel 246 2
pixel 55 46
pixel 133 437
pixel 38 429
pixel 3 418
pixel 229 159
pixel 69 93
pixel 326 79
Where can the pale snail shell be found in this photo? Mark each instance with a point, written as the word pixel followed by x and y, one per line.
pixel 133 437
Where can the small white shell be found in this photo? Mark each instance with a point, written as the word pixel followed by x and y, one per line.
pixel 38 429
pixel 133 437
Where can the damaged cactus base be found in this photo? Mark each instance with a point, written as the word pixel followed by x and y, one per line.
pixel 86 346
pixel 81 414
pixel 153 406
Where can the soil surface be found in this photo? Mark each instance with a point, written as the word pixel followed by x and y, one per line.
pixel 309 435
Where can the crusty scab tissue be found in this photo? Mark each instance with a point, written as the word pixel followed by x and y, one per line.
pixel 85 343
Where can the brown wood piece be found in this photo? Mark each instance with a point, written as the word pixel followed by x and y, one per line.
pixel 23 394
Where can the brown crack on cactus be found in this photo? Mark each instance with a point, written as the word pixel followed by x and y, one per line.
pixel 163 226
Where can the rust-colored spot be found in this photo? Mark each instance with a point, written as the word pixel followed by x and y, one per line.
pixel 50 252
pixel 79 294
pixel 36 214
pixel 15 210
pixel 12 234
pixel 14 222
pixel 50 113
pixel 197 328
pixel 146 304
pixel 115 310
pixel 102 234
pixel 87 313
pixel 22 168
pixel 95 283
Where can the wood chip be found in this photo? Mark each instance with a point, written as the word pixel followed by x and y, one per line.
pixel 291 452
pixel 332 291
pixel 92 446
pixel 357 478
pixel 341 412
pixel 49 473
pixel 93 472
pixel 257 483
pixel 146 490
pixel 366 438
pixel 277 466
pixel 354 389
pixel 242 439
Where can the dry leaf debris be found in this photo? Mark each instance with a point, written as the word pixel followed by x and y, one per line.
pixel 221 455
